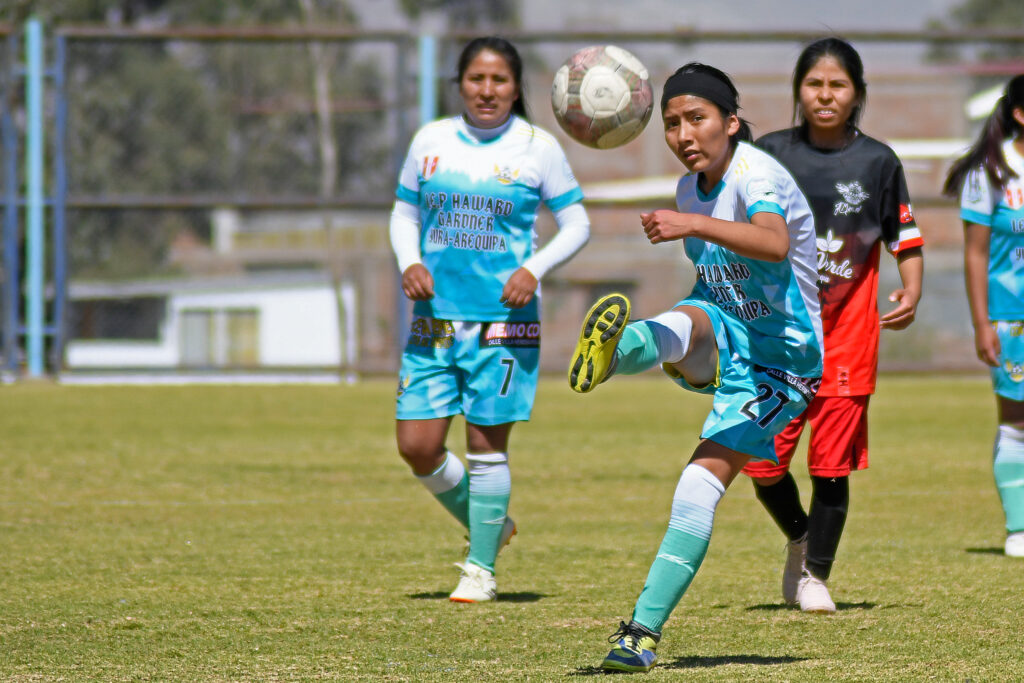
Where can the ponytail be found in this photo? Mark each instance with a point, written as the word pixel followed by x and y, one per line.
pixel 987 150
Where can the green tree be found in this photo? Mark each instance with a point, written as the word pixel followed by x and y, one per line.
pixel 1002 15
pixel 182 118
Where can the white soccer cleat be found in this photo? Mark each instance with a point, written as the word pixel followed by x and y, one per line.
pixel 813 595
pixel 1015 545
pixel 796 551
pixel 476 585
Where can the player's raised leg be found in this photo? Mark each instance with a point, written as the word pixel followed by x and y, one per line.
pixel 609 343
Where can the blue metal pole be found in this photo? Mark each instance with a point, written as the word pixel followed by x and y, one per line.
pixel 60 252
pixel 428 78
pixel 11 246
pixel 35 246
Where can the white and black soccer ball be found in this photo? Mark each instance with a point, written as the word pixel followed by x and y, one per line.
pixel 602 96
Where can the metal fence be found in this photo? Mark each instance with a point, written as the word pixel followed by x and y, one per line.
pixel 225 193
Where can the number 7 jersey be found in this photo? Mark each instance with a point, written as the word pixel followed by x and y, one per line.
pixel 478 202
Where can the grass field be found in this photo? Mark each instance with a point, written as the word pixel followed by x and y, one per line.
pixel 272 534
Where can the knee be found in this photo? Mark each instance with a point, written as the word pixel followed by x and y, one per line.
pixel 422 457
pixel 762 482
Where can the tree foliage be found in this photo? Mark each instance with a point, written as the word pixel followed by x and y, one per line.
pixel 983 14
pixel 181 118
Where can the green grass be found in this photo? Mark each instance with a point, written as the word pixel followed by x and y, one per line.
pixel 273 534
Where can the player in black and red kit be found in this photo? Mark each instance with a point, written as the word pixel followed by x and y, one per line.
pixel 857 190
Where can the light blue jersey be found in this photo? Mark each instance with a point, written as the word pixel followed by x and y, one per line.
pixel 1002 211
pixel 772 308
pixel 478 201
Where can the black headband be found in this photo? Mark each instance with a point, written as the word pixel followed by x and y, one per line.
pixel 702 85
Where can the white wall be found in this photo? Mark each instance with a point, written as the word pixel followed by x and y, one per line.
pixel 298 327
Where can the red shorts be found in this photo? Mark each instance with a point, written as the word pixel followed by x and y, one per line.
pixel 839 439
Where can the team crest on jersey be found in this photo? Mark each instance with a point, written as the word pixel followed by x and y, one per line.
pixel 429 166
pixel 1014 197
pixel 505 176
pixel 853 196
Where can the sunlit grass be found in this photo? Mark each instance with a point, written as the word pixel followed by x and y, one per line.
pixel 249 534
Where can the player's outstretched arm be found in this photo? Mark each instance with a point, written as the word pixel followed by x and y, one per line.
pixel 765 237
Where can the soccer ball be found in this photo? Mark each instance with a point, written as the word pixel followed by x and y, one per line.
pixel 602 96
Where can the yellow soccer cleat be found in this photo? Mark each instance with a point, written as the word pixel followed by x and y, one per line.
pixel 595 352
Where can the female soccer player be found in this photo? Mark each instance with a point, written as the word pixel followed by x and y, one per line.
pixel 857 190
pixel 990 182
pixel 749 333
pixel 462 230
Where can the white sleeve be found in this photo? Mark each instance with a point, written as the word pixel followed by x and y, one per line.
pixel 405 234
pixel 573 233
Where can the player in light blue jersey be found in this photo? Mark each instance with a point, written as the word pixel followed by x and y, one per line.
pixel 989 179
pixel 749 333
pixel 462 230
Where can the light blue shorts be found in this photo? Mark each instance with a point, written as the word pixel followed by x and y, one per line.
pixel 752 403
pixel 1008 376
pixel 485 371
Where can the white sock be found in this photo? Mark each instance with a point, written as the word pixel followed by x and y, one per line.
pixel 671 330
pixel 446 477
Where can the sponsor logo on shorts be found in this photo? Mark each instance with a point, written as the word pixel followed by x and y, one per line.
pixel 519 334
pixel 1015 371
pixel 431 332
pixel 403 384
pixel 806 386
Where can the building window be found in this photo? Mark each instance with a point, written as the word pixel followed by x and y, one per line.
pixel 217 338
pixel 137 318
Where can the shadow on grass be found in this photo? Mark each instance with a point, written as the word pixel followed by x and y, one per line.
pixel 986 551
pixel 522 596
pixel 699 663
pixel 840 606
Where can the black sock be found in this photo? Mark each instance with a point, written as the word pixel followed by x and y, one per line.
pixel 829 504
pixel 782 500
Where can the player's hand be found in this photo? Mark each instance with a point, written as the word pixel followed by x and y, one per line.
pixel 664 225
pixel 900 317
pixel 519 289
pixel 986 343
pixel 418 283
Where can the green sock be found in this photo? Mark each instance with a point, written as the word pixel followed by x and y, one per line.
pixel 679 557
pixel 637 350
pixel 1008 468
pixel 490 487
pixel 683 549
pixel 456 500
pixel 450 485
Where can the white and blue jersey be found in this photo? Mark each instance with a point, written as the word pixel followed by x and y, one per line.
pixel 1001 210
pixel 478 201
pixel 773 306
